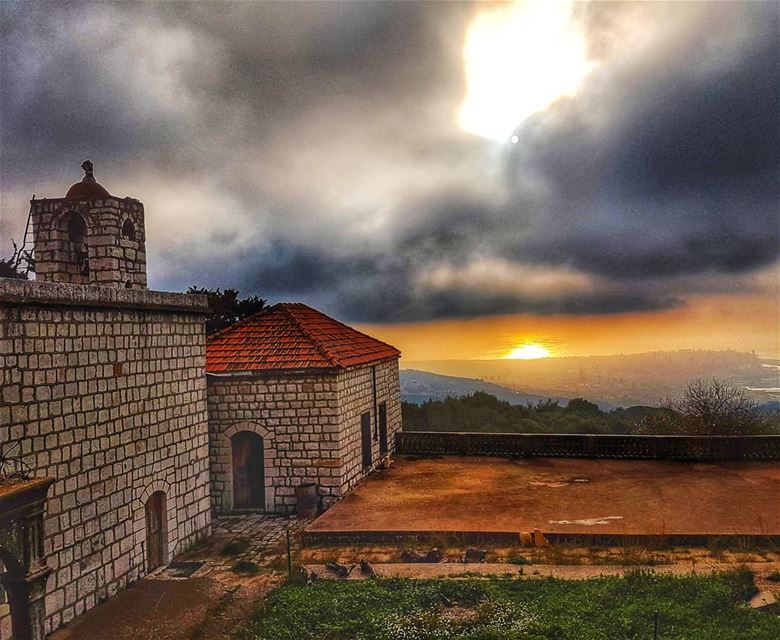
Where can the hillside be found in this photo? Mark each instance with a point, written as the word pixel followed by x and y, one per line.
pixel 420 386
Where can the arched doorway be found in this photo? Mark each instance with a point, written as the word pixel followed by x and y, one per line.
pixel 156 531
pixel 248 470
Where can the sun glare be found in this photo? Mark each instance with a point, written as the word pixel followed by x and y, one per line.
pixel 519 59
pixel 529 351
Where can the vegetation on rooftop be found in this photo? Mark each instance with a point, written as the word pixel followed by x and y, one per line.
pixel 18 265
pixel 691 607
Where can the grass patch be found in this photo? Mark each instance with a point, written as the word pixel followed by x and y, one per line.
pixel 774 576
pixel 690 607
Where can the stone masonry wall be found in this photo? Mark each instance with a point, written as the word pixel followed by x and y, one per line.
pixel 104 390
pixel 297 417
pixel 109 257
pixel 356 396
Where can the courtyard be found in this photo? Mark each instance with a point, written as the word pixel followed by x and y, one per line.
pixel 561 497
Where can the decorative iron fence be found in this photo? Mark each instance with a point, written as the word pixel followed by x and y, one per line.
pixel 554 445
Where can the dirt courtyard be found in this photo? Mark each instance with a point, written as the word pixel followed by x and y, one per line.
pixel 562 495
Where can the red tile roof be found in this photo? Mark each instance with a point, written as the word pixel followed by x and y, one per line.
pixel 292 336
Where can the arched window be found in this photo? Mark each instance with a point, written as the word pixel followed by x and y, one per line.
pixel 128 230
pixel 75 228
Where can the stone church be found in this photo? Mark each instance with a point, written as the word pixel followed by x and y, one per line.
pixel 122 430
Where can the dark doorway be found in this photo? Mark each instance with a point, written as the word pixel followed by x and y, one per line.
pixel 156 545
pixel 382 429
pixel 248 471
pixel 365 438
pixel 15 593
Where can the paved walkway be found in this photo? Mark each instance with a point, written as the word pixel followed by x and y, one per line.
pixel 560 496
pixel 205 604
pixel 261 538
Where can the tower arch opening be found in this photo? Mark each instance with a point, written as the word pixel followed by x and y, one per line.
pixel 75 239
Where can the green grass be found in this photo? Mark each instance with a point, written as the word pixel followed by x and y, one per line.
pixel 690 608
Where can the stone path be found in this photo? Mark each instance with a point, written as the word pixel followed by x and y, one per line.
pixel 208 603
pixel 264 536
pixel 257 539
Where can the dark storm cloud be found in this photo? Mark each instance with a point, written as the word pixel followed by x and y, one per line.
pixel 311 151
pixel 684 178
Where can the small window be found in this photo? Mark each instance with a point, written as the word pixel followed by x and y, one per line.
pixel 383 443
pixel 128 230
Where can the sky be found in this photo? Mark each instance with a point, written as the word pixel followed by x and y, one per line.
pixel 462 179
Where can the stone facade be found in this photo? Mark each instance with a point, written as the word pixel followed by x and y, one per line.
pixel 90 241
pixel 310 424
pixel 104 390
pixel 355 397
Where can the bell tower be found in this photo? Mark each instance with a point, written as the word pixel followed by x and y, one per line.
pixel 89 236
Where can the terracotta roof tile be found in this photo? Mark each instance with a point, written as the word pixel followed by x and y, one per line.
pixel 291 336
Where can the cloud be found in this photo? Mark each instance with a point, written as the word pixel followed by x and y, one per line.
pixel 311 151
pixel 666 164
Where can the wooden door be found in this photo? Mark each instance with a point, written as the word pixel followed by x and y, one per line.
pixel 155 531
pixel 365 438
pixel 248 471
pixel 383 429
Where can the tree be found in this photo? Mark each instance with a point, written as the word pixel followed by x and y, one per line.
pixel 583 407
pixel 18 265
pixel 713 408
pixel 226 307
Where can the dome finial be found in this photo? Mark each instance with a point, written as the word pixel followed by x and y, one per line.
pixel 88 171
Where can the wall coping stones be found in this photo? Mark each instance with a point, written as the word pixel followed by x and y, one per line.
pixel 32 292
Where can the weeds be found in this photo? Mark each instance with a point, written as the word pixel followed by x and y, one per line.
pixel 690 606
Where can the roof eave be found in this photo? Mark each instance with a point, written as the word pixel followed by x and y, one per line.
pixel 267 373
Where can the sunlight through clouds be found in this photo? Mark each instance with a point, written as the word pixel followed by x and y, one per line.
pixel 519 59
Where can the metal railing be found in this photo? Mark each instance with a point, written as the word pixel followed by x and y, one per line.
pixel 521 445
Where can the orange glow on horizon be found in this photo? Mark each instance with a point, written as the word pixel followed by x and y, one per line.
pixel 719 322
pixel 528 351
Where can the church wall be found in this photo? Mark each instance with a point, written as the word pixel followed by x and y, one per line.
pixel 104 390
pixel 356 396
pixel 297 417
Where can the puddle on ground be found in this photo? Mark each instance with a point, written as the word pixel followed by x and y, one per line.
pixel 556 484
pixel 177 571
pixel 588 522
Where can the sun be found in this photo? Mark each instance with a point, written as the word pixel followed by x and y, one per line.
pixel 528 351
pixel 519 58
